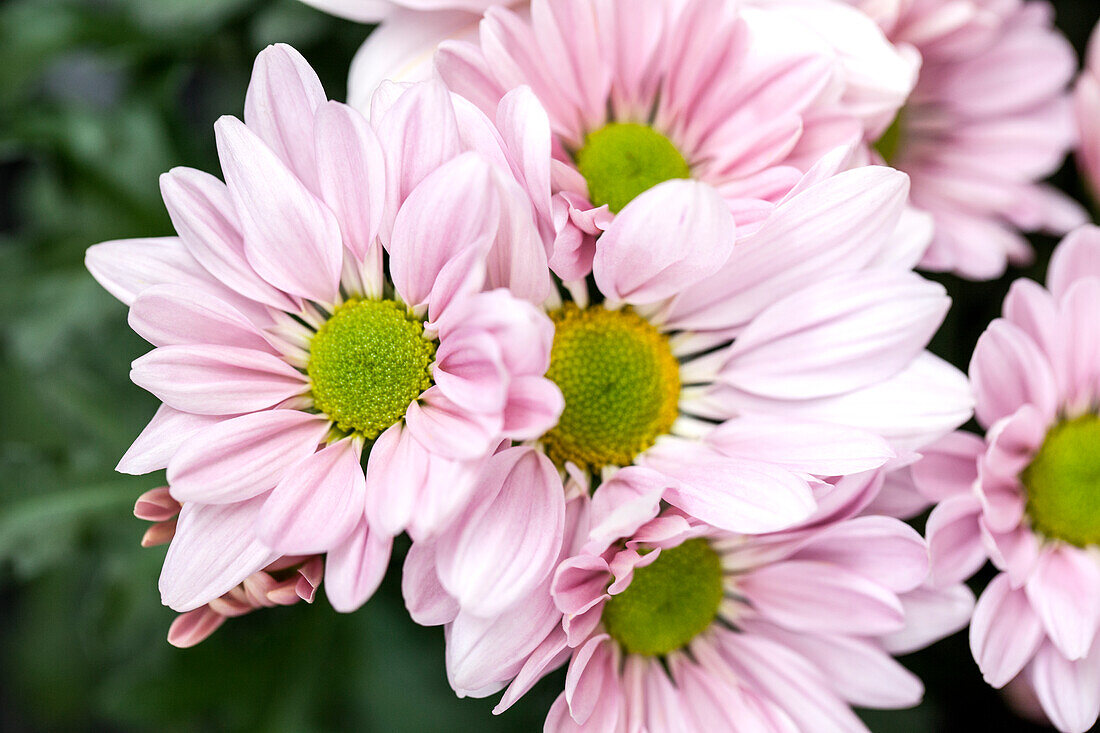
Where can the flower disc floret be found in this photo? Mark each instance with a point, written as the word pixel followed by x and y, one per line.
pixel 1063 483
pixel 367 363
pixel 621 384
pixel 621 160
pixel 669 602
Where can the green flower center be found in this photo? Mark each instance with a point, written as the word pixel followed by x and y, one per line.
pixel 621 384
pixel 890 142
pixel 367 363
pixel 668 603
pixel 623 159
pixel 1063 483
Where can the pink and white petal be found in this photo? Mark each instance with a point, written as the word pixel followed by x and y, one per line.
pixel 433 226
pixel 244 456
pixel 166 315
pixel 931 614
pixel 214 549
pixel 450 431
pixel 397 470
pixel 1069 691
pixel 317 503
pixel 666 240
pixel 125 267
pixel 841 334
pixel 811 596
pixel 533 408
pixel 161 438
pixel 291 239
pixel 592 687
pixel 282 99
pixel 509 540
pixel 469 371
pixel 193 627
pixel 818 448
pixel 955 540
pixel 525 130
pixel 202 212
pixel 1005 633
pixel 352 174
pixel 948 467
pixel 736 495
pixel 428 603
pixel 355 567
pixel 217 380
pixel 881 549
pixel 1009 370
pixel 580 583
pixel 548 655
pixel 1077 257
pixel 1064 591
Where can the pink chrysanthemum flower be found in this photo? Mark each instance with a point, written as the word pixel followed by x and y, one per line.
pixel 335 343
pixel 989 118
pixel 284 582
pixel 646 92
pixel 1087 108
pixel 670 624
pixel 1028 495
pixel 704 360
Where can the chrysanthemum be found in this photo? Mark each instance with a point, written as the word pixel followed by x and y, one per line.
pixel 647 92
pixel 1028 495
pixel 988 119
pixel 671 624
pixel 335 342
pixel 705 360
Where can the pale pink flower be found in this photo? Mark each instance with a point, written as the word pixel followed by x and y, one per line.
pixel 284 582
pixel 318 396
pixel 711 363
pixel 1087 108
pixel 989 118
pixel 640 93
pixel 1026 495
pixel 671 624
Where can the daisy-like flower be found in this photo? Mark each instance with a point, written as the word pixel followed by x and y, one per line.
pixel 335 345
pixel 1028 495
pixel 695 357
pixel 672 624
pixel 988 119
pixel 284 582
pixel 1087 108
pixel 647 92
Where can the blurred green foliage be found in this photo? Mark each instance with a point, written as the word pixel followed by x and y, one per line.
pixel 97 99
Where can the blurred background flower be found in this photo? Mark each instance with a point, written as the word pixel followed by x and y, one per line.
pixel 97 99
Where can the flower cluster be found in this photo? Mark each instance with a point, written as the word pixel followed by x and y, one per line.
pixel 611 308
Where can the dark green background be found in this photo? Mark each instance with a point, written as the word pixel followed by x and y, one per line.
pixel 97 98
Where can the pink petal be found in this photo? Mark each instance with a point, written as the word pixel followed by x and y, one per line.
pixel 1077 257
pixel 397 469
pixel 244 456
pixel 451 431
pixel 290 238
pixel 931 614
pixel 881 549
pixel 161 438
pixel 1008 371
pixel 317 503
pixel 217 380
pixel 193 627
pixel 592 686
pixel 810 447
pixel 509 541
pixel 433 226
pixel 949 467
pixel 279 107
pixel 1004 633
pixel 351 169
pixel 1064 591
pixel 844 333
pixel 428 602
pixel 810 596
pixel 533 408
pixel 1069 691
pixel 214 549
pixel 666 240
pixel 166 315
pixel 125 267
pixel 354 568
pixel 955 540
